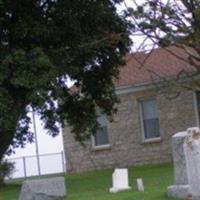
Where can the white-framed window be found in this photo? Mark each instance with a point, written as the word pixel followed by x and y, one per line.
pixel 149 118
pixel 100 138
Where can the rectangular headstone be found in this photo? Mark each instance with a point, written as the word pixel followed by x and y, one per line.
pixel 180 172
pixel 181 188
pixel 140 185
pixel 43 189
pixel 120 180
pixel 192 154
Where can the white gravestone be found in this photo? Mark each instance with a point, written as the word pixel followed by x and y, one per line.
pixel 140 185
pixel 120 180
pixel 192 154
pixel 43 189
pixel 180 188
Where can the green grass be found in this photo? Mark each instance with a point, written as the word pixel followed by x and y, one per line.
pixel 95 185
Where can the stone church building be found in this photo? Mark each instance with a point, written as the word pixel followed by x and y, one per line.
pixel 153 107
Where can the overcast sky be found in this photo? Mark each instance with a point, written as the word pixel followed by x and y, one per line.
pixel 46 143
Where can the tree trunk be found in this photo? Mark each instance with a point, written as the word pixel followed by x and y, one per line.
pixel 6 139
pixel 7 132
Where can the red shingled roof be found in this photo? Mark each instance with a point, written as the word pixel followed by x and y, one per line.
pixel 162 62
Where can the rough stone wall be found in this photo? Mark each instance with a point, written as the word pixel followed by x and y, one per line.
pixel 126 137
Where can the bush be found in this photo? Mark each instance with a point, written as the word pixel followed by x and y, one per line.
pixel 6 170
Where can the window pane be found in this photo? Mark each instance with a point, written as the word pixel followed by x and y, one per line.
pixel 151 128
pixel 150 119
pixel 102 120
pixel 101 137
pixel 149 109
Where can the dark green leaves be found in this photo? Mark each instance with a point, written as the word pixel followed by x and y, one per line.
pixel 42 43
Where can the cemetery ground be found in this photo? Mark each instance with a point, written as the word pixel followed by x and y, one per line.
pixel 95 185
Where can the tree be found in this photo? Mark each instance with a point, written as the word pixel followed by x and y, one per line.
pixel 169 22
pixel 44 42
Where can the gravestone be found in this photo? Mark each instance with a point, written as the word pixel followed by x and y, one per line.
pixel 181 187
pixel 43 189
pixel 120 180
pixel 192 154
pixel 140 185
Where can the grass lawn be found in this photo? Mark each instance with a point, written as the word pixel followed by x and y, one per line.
pixel 95 185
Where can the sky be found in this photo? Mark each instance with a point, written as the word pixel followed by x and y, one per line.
pixel 46 143
pixel 50 163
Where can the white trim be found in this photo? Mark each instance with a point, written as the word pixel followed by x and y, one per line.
pixel 101 147
pixel 141 120
pixel 93 142
pixel 196 108
pixel 133 88
pixel 152 140
pixel 146 140
pixel 150 84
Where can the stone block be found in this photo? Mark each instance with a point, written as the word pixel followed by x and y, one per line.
pixel 120 180
pixel 178 191
pixel 186 151
pixel 180 172
pixel 192 154
pixel 140 185
pixel 43 189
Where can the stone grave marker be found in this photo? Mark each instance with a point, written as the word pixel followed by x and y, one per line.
pixel 139 185
pixel 120 180
pixel 43 189
pixel 192 154
pixel 181 188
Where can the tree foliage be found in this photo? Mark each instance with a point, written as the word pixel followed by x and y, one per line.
pixel 6 170
pixel 44 42
pixel 169 22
